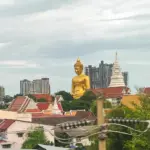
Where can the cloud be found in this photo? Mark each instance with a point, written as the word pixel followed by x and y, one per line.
pixel 17 8
pixel 18 64
pixel 45 37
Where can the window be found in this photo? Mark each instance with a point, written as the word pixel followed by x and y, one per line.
pixel 20 134
pixel 6 146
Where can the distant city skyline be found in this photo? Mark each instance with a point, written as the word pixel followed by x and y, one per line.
pixel 37 86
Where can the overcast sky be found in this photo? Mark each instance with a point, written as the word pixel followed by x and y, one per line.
pixel 43 38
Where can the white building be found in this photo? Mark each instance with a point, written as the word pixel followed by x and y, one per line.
pixel 117 79
pixel 16 132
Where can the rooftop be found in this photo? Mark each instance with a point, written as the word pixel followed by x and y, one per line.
pixel 112 92
pixel 48 97
pixel 57 119
pixel 5 124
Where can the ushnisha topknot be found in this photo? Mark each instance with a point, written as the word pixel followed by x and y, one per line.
pixel 78 63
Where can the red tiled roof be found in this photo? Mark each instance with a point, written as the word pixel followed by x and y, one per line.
pixel 48 97
pixel 17 103
pixel 5 124
pixel 43 105
pixel 147 90
pixel 111 92
pixel 33 110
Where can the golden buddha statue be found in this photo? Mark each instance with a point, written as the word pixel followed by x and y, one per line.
pixel 81 82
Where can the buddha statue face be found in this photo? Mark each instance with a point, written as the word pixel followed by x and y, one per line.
pixel 78 67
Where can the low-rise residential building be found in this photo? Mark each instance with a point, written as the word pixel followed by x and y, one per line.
pixel 16 132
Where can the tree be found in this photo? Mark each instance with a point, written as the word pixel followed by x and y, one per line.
pixel 63 136
pixel 41 100
pixel 124 142
pixel 32 97
pixel 7 98
pixel 118 141
pixel 142 112
pixel 34 138
pixel 88 96
pixel 93 106
pixel 76 105
pixel 66 96
pixel 15 96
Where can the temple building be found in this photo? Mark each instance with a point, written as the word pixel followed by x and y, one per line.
pixel 100 76
pixel 117 79
pixel 117 87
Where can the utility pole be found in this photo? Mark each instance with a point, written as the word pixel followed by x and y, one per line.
pixel 101 120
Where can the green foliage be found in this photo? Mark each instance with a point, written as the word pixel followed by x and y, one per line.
pixel 93 106
pixel 123 142
pixel 41 100
pixel 83 103
pixel 88 96
pixel 117 112
pixel 34 138
pixel 118 141
pixel 7 98
pixel 3 106
pixel 17 95
pixel 94 143
pixel 63 136
pixel 66 96
pixel 32 97
pixel 76 104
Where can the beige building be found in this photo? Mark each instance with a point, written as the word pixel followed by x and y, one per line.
pixel 45 85
pixel 37 86
pixel 25 86
pixel 2 93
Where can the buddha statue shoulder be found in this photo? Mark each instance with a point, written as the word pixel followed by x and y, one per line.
pixel 81 82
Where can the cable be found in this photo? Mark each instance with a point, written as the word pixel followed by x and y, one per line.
pixel 126 127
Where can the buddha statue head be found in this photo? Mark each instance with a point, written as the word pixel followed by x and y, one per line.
pixel 78 66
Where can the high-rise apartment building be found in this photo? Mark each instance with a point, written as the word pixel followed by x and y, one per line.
pixel 126 77
pixel 2 93
pixel 100 76
pixel 25 87
pixel 37 86
pixel 45 85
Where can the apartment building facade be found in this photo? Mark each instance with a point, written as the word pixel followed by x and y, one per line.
pixel 37 86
